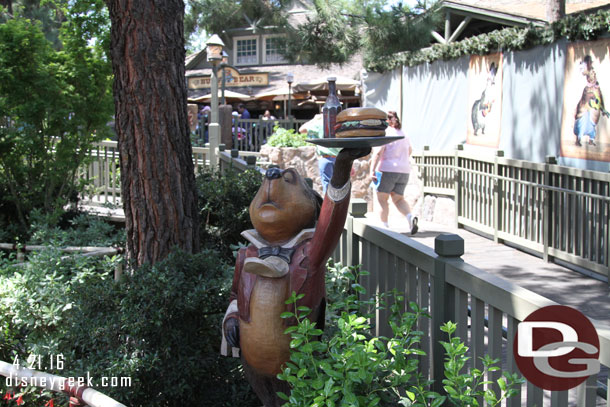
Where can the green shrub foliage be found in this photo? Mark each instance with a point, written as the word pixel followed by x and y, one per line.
pixel 286 138
pixel 74 229
pixel 53 105
pixel 159 327
pixel 349 366
pixel 36 299
pixel 223 207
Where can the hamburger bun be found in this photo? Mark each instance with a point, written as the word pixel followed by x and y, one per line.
pixel 361 122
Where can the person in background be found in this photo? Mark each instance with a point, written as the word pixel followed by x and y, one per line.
pixel 243 115
pixel 243 112
pixel 268 116
pixel 326 155
pixel 268 128
pixel 392 162
pixel 204 119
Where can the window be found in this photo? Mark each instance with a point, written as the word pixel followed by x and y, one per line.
pixel 246 51
pixel 272 50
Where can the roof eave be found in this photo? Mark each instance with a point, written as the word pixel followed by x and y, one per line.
pixel 490 15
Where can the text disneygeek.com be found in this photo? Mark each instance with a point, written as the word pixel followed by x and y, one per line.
pixel 68 382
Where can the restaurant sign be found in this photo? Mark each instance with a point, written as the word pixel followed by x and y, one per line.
pixel 232 79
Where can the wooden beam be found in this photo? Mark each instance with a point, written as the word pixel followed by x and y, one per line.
pixel 438 37
pixel 460 29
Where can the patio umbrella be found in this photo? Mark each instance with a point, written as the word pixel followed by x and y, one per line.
pixel 277 94
pixel 229 94
pixel 318 84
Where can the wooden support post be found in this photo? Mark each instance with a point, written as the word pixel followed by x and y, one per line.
pixel 118 272
pixel 251 161
pixel 457 182
pixel 497 196
pixel 448 247
pixel 424 171
pixel 547 216
pixel 357 209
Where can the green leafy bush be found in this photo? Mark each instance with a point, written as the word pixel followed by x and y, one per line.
pixel 464 387
pixel 51 109
pixel 37 298
pixel 79 229
pixel 159 327
pixel 286 138
pixel 352 367
pixel 223 207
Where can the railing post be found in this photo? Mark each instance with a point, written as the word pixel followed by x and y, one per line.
pixel 251 161
pixel 357 209
pixel 259 135
pixel 547 216
pixel 424 171
pixel 447 247
pixel 497 198
pixel 118 272
pixel 457 182
pixel 234 155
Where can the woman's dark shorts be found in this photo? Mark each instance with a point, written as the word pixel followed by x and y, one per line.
pixel 393 182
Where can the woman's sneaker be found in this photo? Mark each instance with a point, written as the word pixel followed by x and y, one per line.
pixel 414 227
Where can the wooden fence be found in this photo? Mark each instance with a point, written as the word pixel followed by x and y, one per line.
pixel 102 171
pixel 248 134
pixel 486 308
pixel 558 212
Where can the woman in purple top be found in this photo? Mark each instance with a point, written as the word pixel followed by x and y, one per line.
pixel 390 169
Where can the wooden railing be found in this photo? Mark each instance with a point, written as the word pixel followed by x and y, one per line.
pixel 102 171
pixel 486 308
pixel 558 212
pixel 237 160
pixel 248 134
pixel 251 134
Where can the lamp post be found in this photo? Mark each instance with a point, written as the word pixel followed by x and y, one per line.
pixel 289 79
pixel 214 48
pixel 223 65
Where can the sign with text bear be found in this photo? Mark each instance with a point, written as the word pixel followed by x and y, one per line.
pixel 232 79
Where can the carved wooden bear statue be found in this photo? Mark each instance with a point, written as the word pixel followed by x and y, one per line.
pixel 288 252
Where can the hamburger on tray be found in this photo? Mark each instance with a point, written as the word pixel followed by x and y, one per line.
pixel 358 127
pixel 361 122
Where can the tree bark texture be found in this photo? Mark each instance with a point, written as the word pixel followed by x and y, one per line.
pixel 157 173
pixel 555 10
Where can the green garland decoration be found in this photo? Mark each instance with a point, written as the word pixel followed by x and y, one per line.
pixel 585 27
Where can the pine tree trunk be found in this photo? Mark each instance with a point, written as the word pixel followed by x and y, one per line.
pixel 157 174
pixel 555 10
